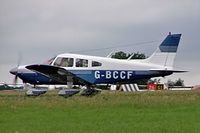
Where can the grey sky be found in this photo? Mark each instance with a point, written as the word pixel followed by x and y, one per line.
pixel 39 29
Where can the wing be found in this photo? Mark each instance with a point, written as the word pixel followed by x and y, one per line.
pixel 58 74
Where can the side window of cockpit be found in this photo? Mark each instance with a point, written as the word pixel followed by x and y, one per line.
pixel 67 62
pixel 81 63
pixel 96 64
pixel 64 62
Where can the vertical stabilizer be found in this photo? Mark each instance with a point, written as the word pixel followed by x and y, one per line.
pixel 166 52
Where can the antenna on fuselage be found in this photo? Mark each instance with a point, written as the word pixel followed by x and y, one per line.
pixel 110 54
pixel 129 58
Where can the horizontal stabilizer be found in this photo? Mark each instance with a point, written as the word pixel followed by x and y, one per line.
pixel 173 71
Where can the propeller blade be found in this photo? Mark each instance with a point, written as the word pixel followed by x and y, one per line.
pixel 19 59
pixel 15 79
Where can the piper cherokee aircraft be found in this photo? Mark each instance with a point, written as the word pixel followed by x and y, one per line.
pixel 87 70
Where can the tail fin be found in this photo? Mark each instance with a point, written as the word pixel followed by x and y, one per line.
pixel 166 52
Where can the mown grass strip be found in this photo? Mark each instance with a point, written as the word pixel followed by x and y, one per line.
pixel 163 111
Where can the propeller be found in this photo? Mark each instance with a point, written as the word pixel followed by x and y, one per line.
pixel 15 79
pixel 15 70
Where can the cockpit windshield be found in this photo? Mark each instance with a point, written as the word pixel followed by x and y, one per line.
pixel 49 62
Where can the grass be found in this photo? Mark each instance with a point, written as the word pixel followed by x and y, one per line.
pixel 112 112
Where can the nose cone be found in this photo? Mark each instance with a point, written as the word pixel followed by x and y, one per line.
pixel 14 71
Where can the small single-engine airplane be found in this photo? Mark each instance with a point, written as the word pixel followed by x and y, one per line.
pixel 76 69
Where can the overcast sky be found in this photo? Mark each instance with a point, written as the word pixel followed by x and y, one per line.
pixel 40 29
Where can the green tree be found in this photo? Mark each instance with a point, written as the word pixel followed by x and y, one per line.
pixel 120 55
pixel 138 56
pixel 178 82
pixel 154 81
pixel 123 55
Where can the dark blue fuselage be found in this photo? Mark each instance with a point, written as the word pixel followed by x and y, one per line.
pixel 95 76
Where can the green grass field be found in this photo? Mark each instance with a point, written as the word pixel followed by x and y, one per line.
pixel 108 112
